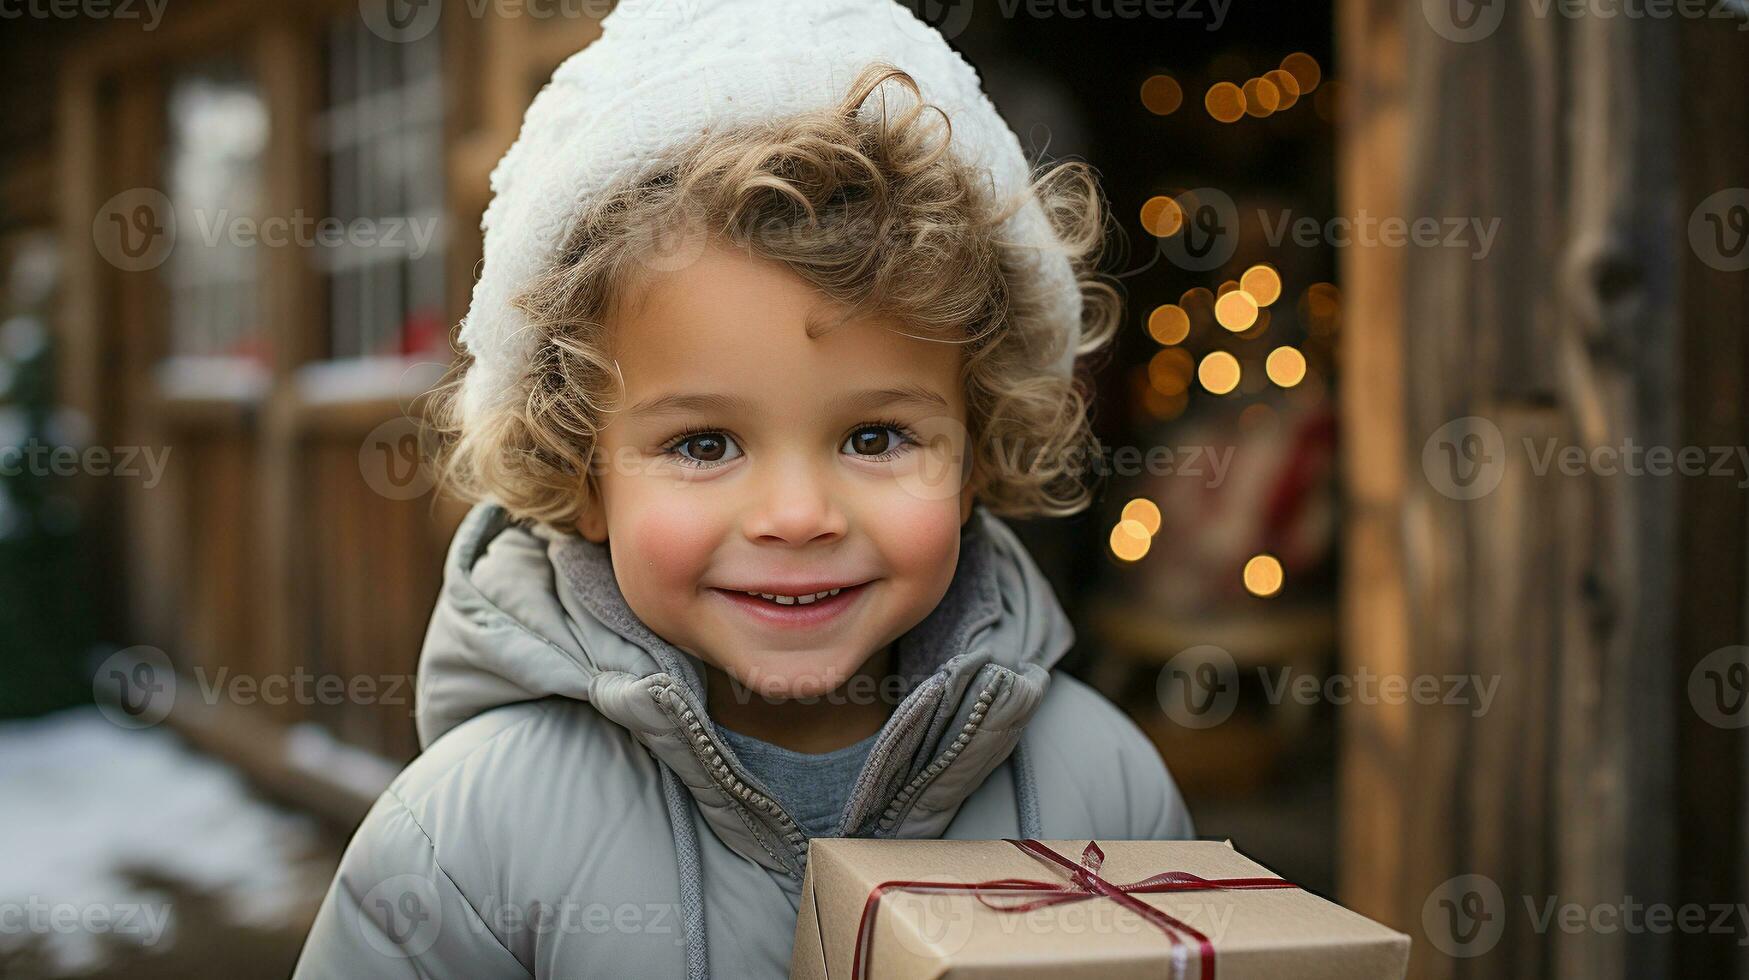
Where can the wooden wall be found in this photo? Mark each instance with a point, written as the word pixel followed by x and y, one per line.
pixel 1591 322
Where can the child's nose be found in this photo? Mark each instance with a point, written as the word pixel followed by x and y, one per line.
pixel 795 505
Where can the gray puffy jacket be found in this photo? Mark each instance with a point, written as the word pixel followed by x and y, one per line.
pixel 575 813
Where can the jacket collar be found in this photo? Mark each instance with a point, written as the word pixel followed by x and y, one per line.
pixel 976 670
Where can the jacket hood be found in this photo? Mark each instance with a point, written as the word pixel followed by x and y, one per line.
pixel 529 613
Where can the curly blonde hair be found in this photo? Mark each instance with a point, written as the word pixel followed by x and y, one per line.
pixel 875 215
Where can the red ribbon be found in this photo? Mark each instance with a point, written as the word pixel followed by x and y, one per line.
pixel 1084 883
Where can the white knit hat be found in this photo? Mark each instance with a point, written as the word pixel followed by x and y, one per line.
pixel 664 72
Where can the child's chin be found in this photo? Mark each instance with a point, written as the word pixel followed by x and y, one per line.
pixel 811 677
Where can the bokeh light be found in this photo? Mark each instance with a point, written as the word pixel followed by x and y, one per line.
pixel 1219 372
pixel 1169 371
pixel 1261 97
pixel 1169 324
pixel 1287 85
pixel 1304 68
pixel 1263 575
pixel 1143 511
pixel 1263 283
pixel 1130 540
pixel 1285 366
pixel 1225 101
pixel 1162 95
pixel 1162 217
pixel 1236 310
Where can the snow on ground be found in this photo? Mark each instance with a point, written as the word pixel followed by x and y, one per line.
pixel 85 805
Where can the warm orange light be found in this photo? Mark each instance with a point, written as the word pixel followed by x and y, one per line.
pixel 1169 371
pixel 1236 310
pixel 1287 85
pixel 1263 576
pixel 1130 540
pixel 1225 101
pixel 1262 282
pixel 1285 366
pixel 1169 324
pixel 1143 511
pixel 1261 97
pixel 1162 95
pixel 1219 372
pixel 1162 217
pixel 1304 68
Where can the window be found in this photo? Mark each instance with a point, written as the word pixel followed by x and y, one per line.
pixel 381 136
pixel 217 132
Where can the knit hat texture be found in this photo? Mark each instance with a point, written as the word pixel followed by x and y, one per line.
pixel 663 73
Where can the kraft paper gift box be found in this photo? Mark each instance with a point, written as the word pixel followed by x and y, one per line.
pixel 1198 910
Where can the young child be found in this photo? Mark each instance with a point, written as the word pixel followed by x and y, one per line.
pixel 775 321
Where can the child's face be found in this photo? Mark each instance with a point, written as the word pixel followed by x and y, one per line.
pixel 777 463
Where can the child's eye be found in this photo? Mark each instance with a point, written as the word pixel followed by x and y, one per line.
pixel 704 449
pixel 878 441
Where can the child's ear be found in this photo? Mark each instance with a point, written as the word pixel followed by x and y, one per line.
pixel 592 523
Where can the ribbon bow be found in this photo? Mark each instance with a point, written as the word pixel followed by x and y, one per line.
pixel 1083 883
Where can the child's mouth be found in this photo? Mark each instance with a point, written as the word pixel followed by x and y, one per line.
pixel 806 610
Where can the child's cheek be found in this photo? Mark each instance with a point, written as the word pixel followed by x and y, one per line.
pixel 919 538
pixel 666 543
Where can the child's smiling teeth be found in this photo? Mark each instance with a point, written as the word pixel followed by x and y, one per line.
pixel 793 600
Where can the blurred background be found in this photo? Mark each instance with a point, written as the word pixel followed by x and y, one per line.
pixel 1422 550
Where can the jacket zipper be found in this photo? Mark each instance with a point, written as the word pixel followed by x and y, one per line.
pixel 706 752
pixel 901 801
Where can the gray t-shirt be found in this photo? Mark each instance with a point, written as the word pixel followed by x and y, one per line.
pixel 812 786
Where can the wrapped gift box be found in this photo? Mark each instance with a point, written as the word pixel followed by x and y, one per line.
pixel 1197 910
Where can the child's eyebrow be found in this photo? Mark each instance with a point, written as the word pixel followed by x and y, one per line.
pixel 864 401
